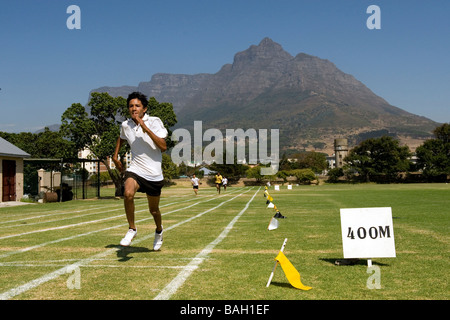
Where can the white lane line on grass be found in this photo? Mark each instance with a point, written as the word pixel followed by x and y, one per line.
pixel 56 212
pixel 48 265
pixel 105 209
pixel 44 214
pixel 82 223
pixel 104 229
pixel 109 208
pixel 60 227
pixel 9 294
pixel 178 281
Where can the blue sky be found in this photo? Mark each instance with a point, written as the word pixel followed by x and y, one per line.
pixel 45 67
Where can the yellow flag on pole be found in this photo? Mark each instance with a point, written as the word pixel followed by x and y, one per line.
pixel 291 273
pixel 276 263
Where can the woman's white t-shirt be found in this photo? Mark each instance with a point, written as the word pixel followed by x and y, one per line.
pixel 146 157
pixel 195 182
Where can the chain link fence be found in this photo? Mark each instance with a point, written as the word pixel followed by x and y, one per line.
pixel 58 180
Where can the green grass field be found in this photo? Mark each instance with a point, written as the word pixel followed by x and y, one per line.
pixel 219 248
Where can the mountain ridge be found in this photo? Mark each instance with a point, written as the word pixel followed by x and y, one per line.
pixel 308 98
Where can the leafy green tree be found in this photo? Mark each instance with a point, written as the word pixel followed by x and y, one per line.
pixel 46 144
pixel 254 172
pixel 232 171
pixel 77 126
pixel 164 111
pixel 23 140
pixel 284 163
pixel 169 168
pixel 304 176
pixel 433 157
pixel 443 133
pixel 282 174
pixel 315 161
pixel 97 132
pixel 334 174
pixel 51 144
pixel 378 159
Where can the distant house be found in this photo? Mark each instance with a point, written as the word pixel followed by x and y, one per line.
pixel 11 171
pixel 91 167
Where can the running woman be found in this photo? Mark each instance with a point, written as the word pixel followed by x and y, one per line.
pixel 146 137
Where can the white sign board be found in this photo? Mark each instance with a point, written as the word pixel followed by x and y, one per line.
pixel 277 187
pixel 367 233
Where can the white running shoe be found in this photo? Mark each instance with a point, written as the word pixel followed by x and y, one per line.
pixel 158 240
pixel 126 241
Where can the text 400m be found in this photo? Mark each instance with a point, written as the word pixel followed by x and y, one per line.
pixel 372 232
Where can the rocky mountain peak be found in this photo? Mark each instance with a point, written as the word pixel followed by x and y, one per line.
pixel 266 50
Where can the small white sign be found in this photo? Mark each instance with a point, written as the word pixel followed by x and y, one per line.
pixel 277 187
pixel 273 224
pixel 367 233
pixel 289 186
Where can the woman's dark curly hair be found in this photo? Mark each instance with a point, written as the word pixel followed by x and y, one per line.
pixel 138 95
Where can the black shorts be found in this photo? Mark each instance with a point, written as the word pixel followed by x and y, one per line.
pixel 151 188
pixel 195 187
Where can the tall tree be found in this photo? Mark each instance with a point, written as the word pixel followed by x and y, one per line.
pixel 433 156
pixel 164 111
pixel 97 132
pixel 46 144
pixel 378 158
pixel 315 161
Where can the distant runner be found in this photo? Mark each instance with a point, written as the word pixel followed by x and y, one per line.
pixel 218 178
pixel 194 182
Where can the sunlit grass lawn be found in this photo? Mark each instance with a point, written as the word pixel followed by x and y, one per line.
pixel 240 265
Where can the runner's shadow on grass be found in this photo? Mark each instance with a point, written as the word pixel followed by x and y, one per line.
pixel 351 262
pixel 123 252
pixel 281 284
